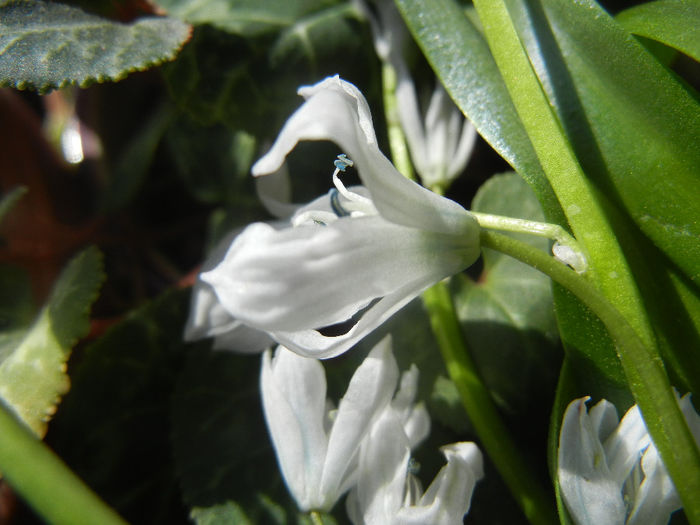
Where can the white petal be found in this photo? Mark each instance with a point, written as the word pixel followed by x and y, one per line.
pixel 294 398
pixel 383 469
pixel 414 417
pixel 624 447
pixel 448 498
pixel 587 487
pixel 368 393
pixel 656 498
pixel 243 339
pixel 207 316
pixel 275 193
pixel 463 152
pixel 313 276
pixel 314 344
pixel 336 110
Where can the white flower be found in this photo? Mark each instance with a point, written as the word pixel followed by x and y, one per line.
pixel 441 139
pixel 388 494
pixel 316 446
pixel 370 250
pixel 612 474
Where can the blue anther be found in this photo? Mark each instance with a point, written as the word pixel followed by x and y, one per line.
pixel 343 162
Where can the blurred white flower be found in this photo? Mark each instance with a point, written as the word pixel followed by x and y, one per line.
pixel 440 140
pixel 365 251
pixel 612 474
pixel 317 447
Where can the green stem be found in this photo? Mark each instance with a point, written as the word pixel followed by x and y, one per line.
pixel 579 200
pixel 534 500
pixel 495 438
pixel 44 481
pixel 397 140
pixel 643 368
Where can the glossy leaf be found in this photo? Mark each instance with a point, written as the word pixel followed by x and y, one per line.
pixel 244 17
pixel 47 45
pixel 671 22
pixel 633 126
pixel 33 373
pixel 461 58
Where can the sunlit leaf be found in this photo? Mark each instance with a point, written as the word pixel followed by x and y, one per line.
pixel 634 127
pixel 46 45
pixel 671 22
pixel 33 374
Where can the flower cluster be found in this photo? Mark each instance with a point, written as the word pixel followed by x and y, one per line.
pixel 364 445
pixel 612 474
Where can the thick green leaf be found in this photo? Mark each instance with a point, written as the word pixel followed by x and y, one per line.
pixel 671 22
pixel 634 127
pixel 243 17
pixel 113 428
pixel 33 373
pixel 462 60
pixel 46 45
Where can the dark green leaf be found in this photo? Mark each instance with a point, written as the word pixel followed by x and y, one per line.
pixel 243 17
pixel 251 84
pixel 672 22
pixel 33 374
pixel 223 454
pixel 508 314
pixel 132 167
pixel 113 428
pixel 46 45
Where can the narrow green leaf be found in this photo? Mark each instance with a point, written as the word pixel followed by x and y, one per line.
pixel 461 58
pixel 244 17
pixel 33 375
pixel 671 22
pixel 47 45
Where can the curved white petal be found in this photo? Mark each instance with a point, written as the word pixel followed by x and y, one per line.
pixel 624 447
pixel 336 110
pixel 368 393
pixel 313 276
pixel 587 486
pixel 294 399
pixel 656 498
pixel 414 417
pixel 448 497
pixel 209 318
pixel 382 473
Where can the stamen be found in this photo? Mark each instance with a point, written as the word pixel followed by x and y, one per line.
pixel 343 162
pixel 356 205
